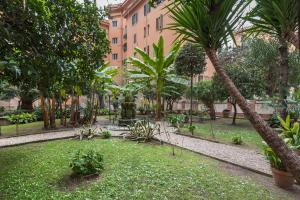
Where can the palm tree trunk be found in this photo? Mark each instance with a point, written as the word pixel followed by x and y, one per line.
pixel 289 157
pixel 284 73
pixel 293 39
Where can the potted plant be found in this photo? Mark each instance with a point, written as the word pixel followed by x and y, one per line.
pixel 281 176
pixel 226 113
pixel 290 134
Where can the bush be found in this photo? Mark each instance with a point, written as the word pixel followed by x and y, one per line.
pixel 22 118
pixel 104 111
pixel 176 120
pixel 87 163
pixel 142 110
pixel 143 130
pixel 2 109
pixel 237 140
pixel 192 128
pixel 88 132
pixel 106 134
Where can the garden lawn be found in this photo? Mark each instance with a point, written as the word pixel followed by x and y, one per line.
pixel 224 132
pixel 132 171
pixel 25 129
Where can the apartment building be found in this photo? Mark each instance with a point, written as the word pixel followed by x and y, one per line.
pixel 134 23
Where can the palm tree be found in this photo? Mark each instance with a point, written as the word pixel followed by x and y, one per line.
pixel 211 23
pixel 155 70
pixel 279 19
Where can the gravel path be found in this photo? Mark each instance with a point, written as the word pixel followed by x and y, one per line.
pixel 245 158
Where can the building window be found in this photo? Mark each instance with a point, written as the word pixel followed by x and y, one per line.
pixel 125 47
pixel 114 23
pixel 148 29
pixel 134 19
pixel 115 40
pixel 159 23
pixel 145 32
pixel 159 2
pixel 148 50
pixel 134 38
pixel 147 9
pixel 134 54
pixel 115 56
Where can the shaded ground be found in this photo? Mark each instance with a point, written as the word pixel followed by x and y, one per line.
pixel 132 171
pixel 224 132
pixel 267 182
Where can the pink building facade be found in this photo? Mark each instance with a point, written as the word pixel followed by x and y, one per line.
pixel 134 23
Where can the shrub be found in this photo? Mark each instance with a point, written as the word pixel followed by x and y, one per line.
pixel 106 134
pixel 176 120
pixel 88 132
pixel 104 111
pixel 290 134
pixel 192 128
pixel 273 158
pixel 2 109
pixel 143 130
pixel 22 118
pixel 237 140
pixel 142 110
pixel 86 163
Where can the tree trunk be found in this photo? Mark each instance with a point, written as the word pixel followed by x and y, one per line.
pixel 65 113
pixel 72 118
pixel 284 73
pixel 234 114
pixel 289 157
pixel 45 112
pixel 52 113
pixel 61 112
pixel 212 111
pixel 158 106
pixel 191 102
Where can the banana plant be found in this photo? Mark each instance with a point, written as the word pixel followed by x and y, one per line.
pixel 156 70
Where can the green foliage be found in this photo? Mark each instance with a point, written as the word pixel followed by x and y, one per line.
pixel 190 60
pixel 237 140
pixel 290 134
pixel 274 121
pixel 142 110
pixel 176 120
pixel 22 118
pixel 192 128
pixel 106 134
pixel 155 71
pixel 127 166
pixel 273 158
pixel 87 162
pixel 143 130
pixel 104 111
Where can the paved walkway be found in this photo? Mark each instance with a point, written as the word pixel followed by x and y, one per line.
pixel 245 158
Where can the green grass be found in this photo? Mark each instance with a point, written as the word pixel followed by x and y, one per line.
pixel 24 129
pixel 224 132
pixel 132 171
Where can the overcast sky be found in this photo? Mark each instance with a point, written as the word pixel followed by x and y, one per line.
pixel 105 2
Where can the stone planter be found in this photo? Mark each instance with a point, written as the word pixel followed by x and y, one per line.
pixel 283 179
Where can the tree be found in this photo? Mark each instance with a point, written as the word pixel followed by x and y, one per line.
pixel 155 70
pixel 172 92
pixel 249 79
pixel 190 61
pixel 210 24
pixel 206 92
pixel 278 19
